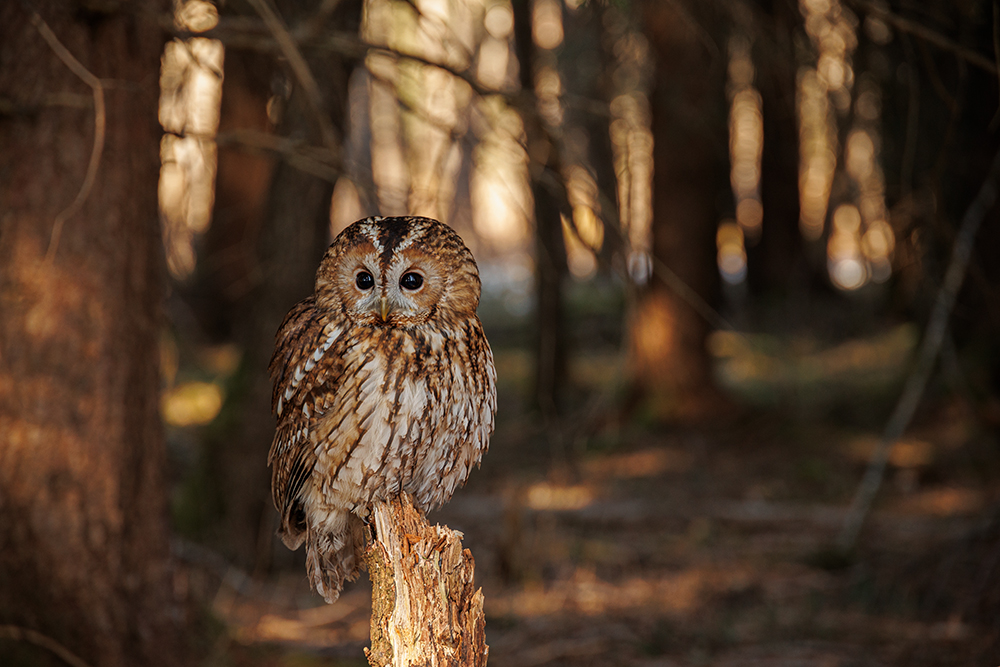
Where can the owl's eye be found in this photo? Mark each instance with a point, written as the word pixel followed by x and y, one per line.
pixel 411 281
pixel 364 280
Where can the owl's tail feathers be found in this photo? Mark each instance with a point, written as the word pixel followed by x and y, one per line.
pixel 293 526
pixel 333 553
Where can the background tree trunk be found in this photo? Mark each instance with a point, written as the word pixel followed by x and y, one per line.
pixel 670 367
pixel 776 264
pixel 292 236
pixel 83 530
pixel 545 167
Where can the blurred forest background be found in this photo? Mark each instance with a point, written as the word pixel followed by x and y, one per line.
pixel 737 256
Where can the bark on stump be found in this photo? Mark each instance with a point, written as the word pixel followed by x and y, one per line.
pixel 425 608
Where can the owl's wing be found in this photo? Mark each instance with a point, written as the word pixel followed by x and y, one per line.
pixel 298 369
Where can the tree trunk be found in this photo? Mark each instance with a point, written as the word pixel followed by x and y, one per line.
pixel 549 197
pixel 425 607
pixel 670 366
pixel 84 554
pixel 294 233
pixel 776 265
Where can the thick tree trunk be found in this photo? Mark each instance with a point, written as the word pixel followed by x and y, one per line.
pixel 83 530
pixel 670 366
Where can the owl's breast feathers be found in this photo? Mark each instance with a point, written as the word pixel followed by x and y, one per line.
pixel 365 413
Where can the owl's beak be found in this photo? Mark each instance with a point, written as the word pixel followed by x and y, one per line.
pixel 385 308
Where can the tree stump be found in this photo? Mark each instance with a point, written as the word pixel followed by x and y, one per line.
pixel 425 608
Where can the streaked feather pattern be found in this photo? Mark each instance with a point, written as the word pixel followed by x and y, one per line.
pixel 368 407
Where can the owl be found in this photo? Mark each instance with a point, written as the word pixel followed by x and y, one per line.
pixel 383 383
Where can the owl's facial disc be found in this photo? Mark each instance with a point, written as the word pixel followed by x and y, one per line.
pixel 398 272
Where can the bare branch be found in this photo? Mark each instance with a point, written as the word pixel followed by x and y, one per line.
pixel 929 349
pixel 996 55
pixel 290 49
pixel 19 634
pixel 908 159
pixel 926 34
pixel 312 27
pixel 11 107
pixel 99 127
pixel 244 33
pixel 318 161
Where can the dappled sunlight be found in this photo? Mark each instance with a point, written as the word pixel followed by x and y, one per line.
pixel 862 162
pixel 546 24
pixel 545 496
pixel 643 463
pixel 316 625
pixel 655 330
pixel 190 94
pixel 817 149
pixel 585 593
pixel 847 268
pixel 500 190
pixel 757 364
pixel 832 33
pixel 732 255
pixel 632 142
pixel 943 502
pixel 906 453
pixel 860 244
pixel 192 404
pixel 494 50
pixel 389 168
pixel 53 294
pixel 746 142
pixel 584 235
pixel 283 613
pixel 345 206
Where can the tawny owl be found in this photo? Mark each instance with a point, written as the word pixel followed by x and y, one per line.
pixel 383 382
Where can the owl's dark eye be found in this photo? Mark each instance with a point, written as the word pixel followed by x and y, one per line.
pixel 364 280
pixel 411 281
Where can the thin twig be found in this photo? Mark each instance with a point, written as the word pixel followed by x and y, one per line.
pixel 19 634
pixel 996 55
pixel 308 29
pixel 465 75
pixel 99 127
pixel 936 81
pixel 929 349
pixel 689 296
pixel 469 51
pixel 11 107
pixel 242 33
pixel 407 106
pixel 908 158
pixel 685 292
pixel 290 49
pixel 926 34
pixel 315 160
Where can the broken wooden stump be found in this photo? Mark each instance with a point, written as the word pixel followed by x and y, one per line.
pixel 425 608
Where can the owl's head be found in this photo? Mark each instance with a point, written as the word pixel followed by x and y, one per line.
pixel 400 272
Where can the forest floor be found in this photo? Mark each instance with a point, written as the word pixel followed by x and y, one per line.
pixel 641 545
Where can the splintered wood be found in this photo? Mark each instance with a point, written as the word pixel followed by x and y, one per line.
pixel 425 609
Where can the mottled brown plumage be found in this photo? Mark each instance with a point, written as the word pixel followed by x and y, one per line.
pixel 383 382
